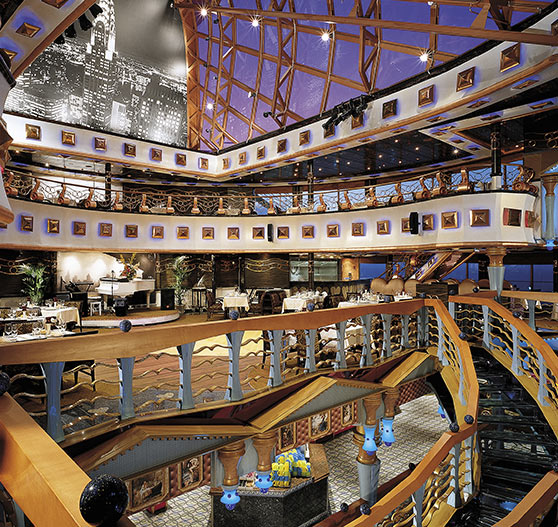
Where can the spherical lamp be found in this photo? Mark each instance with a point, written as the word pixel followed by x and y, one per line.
pixel 103 500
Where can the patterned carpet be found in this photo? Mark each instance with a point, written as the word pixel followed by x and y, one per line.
pixel 416 429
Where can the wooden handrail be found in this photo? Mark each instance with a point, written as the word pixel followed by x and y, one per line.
pixel 140 341
pixel 533 504
pixel 532 295
pixel 41 478
pixel 446 442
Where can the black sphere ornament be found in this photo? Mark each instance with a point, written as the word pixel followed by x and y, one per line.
pixel 517 314
pixel 476 289
pixel 365 509
pixel 469 419
pixel 555 466
pixel 234 314
pixel 412 466
pixel 344 507
pixel 103 500
pixel 311 307
pixel 4 383
pixel 463 336
pixel 454 427
pixel 125 325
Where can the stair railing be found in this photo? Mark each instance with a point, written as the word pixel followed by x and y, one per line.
pixel 448 476
pixel 534 505
pixel 522 351
pixel 538 305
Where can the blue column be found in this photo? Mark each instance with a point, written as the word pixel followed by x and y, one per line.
pixel 126 378
pixel 368 477
pixel 386 320
pixel 310 362
pixel 366 358
pixel 234 391
pixel 276 337
pixel 340 361
pixel 186 352
pixel 53 384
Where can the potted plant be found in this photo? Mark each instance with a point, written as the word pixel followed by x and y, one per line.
pixel 35 282
pixel 130 269
pixel 180 271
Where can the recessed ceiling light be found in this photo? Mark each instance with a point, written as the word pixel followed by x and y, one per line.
pixel 325 36
pixel 203 12
pixel 456 151
pixel 416 147
pixel 397 140
pixel 209 106
pixel 424 56
pixel 255 22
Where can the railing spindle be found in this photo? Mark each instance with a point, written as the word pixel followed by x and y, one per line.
pixel 234 390
pixel 185 395
pixel 340 362
pixel 543 390
pixel 386 351
pixel 310 362
pixel 418 498
pixel 53 383
pixel 366 358
pixel 126 378
pixel 276 338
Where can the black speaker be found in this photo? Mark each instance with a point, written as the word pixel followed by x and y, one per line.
pixel 414 222
pixel 270 232
pixel 167 299
pixel 120 307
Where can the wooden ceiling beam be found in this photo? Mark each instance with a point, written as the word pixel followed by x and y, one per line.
pixel 540 38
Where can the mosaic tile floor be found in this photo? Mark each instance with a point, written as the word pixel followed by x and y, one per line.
pixel 416 429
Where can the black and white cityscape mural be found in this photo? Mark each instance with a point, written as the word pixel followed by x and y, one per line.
pixel 126 75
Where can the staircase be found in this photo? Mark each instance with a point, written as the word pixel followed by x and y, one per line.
pixel 517 444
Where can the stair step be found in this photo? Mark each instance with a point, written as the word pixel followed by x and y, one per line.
pixel 540 461
pixel 515 437
pixel 488 403
pixel 507 474
pixel 500 493
pixel 513 420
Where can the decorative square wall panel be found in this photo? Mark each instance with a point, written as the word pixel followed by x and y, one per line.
pixel 358 121
pixel 389 109
pixel 10 53
pixel 131 231
pixel 308 231
pixel 203 163
pixel 208 233
pixel 233 233
pixel 79 228
pixel 426 95
pixel 282 233
pixel 465 79
pixel 32 132
pixel 100 144
pixel 68 138
pixel 510 57
pixel 260 152
pixel 480 218
pixel 53 226
pixel 530 219
pixel 405 225
pixel 329 131
pixel 129 150
pixel 183 233
pixel 26 223
pixel 512 217
pixel 357 229
pixel 157 231
pixel 258 233
pixel 333 231
pixel 383 227
pixel 428 222
pixel 242 158
pixel 180 159
pixel 156 154
pixel 304 138
pixel 281 146
pixel 449 220
pixel 226 163
pixel 105 230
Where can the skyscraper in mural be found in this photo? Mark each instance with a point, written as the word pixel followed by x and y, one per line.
pixel 87 81
pixel 99 77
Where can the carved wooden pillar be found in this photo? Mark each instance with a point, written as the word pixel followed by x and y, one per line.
pixel 496 268
pixel 264 445
pixel 496 155
pixel 368 463
pixel 229 456
pixel 391 395
pixel 549 184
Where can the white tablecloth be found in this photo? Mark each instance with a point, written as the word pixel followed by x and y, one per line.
pixel 67 314
pixel 292 303
pixel 236 301
pixel 354 336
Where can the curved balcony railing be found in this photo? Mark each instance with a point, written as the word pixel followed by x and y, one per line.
pixel 178 202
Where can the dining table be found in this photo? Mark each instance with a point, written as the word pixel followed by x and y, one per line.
pixel 236 301
pixel 65 313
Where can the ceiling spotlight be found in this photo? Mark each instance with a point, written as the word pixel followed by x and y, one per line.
pixel 252 94
pixel 95 10
pixel 71 32
pixel 430 3
pixel 203 12
pixel 424 57
pixel 455 151
pixel 209 106
pixel 325 36
pixel 84 23
pixel 255 22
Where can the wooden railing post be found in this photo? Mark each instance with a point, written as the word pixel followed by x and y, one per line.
pixel 543 390
pixel 340 362
pixel 515 351
pixel 366 357
pixel 53 383
pixel 486 321
pixel 234 390
pixel 185 395
pixel 125 376
pixel 310 362
pixel 386 320
pixel 276 338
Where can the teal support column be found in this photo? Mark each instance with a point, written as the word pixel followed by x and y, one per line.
pixel 126 378
pixel 276 338
pixel 368 478
pixel 386 320
pixel 53 383
pixel 549 184
pixel 310 362
pixel 20 516
pixel 366 358
pixel 405 331
pixel 186 351
pixel 532 304
pixel 340 361
pixel 496 269
pixel 234 390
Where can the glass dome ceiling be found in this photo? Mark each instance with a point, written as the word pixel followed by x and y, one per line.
pixel 257 65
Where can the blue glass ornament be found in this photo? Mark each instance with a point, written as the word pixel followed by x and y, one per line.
pixel 263 481
pixel 369 445
pixel 310 307
pixel 230 498
pixel 441 412
pixel 125 325
pixel 387 431
pixel 233 314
